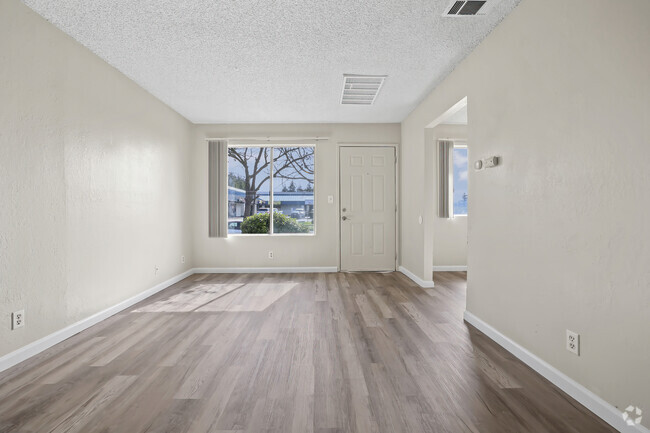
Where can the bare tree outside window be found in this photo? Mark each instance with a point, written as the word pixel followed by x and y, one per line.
pixel 249 194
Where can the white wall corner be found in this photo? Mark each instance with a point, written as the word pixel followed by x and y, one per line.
pixel 459 268
pixel 588 399
pixel 422 283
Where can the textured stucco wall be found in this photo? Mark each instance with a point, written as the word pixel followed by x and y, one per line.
pixel 558 233
pixel 93 179
pixel 289 251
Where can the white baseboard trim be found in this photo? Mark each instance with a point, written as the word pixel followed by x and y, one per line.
pixel 280 270
pixel 450 269
pixel 36 347
pixel 420 281
pixel 588 399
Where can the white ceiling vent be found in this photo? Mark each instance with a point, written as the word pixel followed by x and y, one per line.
pixel 361 89
pixel 467 8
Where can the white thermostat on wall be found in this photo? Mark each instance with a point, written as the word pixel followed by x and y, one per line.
pixel 492 161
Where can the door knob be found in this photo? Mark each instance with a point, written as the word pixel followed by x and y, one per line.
pixel 344 218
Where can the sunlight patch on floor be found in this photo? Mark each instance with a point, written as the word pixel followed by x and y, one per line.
pixel 189 300
pixel 252 297
pixel 221 297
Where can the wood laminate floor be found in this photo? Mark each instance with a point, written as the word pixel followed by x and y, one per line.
pixel 324 353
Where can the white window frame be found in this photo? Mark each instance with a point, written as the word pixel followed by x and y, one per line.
pixel 271 147
pixel 457 145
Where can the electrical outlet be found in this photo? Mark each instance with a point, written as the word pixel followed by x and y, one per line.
pixel 330 199
pixel 182 259
pixel 17 319
pixel 573 342
pixel 271 255
pixel 155 270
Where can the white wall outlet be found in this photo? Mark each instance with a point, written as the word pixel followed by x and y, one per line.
pixel 330 199
pixel 271 255
pixel 182 259
pixel 18 319
pixel 573 342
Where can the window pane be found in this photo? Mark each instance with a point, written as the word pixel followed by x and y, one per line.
pixel 293 189
pixel 460 181
pixel 249 169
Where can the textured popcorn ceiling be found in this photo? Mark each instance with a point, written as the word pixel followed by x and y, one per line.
pixel 218 61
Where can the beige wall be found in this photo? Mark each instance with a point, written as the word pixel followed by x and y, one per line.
pixel 449 234
pixel 93 185
pixel 558 234
pixel 289 251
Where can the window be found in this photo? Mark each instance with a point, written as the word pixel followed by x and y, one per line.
pixel 459 184
pixel 271 180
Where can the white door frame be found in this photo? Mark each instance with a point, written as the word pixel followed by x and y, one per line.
pixel 395 146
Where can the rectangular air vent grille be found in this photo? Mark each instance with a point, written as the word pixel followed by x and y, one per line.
pixel 465 8
pixel 361 89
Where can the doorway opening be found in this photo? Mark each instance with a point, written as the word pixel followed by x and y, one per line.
pixel 449 155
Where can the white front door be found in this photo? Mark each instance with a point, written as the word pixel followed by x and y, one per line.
pixel 368 209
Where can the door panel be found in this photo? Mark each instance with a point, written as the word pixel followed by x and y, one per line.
pixel 356 193
pixel 378 191
pixel 367 208
pixel 378 238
